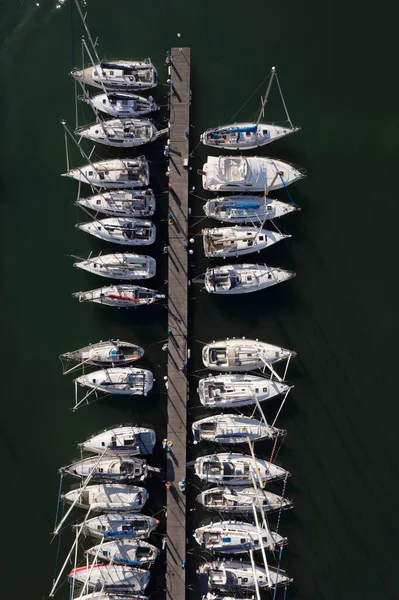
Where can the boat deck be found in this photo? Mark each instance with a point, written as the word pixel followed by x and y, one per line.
pixel 179 74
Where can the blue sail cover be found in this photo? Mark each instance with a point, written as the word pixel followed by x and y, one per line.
pixel 128 532
pixel 250 129
pixel 248 205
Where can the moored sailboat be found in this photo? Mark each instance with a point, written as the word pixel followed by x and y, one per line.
pixel 235 390
pixel 121 104
pixel 119 230
pixel 242 209
pixel 242 279
pixel 120 133
pixel 118 380
pixel 126 552
pixel 237 576
pixel 233 429
pixel 236 537
pixel 110 352
pixel 242 355
pixel 118 526
pixel 114 173
pixel 126 440
pixel 223 242
pixel 120 296
pixel 115 578
pixel 126 75
pixel 121 203
pixel 110 468
pixel 242 500
pixel 229 468
pixel 123 266
pixel 107 498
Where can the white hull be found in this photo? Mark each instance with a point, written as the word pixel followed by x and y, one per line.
pixel 252 174
pixel 121 203
pixel 117 578
pixel 126 552
pixel 235 469
pixel 235 537
pixel 125 75
pixel 127 232
pixel 242 500
pixel 232 429
pixel 244 136
pixel 106 498
pixel 120 296
pixel 125 440
pixel 109 353
pixel 223 242
pixel 114 173
pixel 240 576
pixel 114 469
pixel 125 266
pixel 121 105
pixel 244 279
pixel 247 209
pixel 105 596
pixel 229 391
pixel 119 526
pixel 119 381
pixel 242 355
pixel 120 133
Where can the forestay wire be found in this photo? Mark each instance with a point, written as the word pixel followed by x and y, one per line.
pixel 250 98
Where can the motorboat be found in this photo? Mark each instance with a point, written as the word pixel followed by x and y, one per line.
pixel 243 279
pixel 118 526
pixel 120 296
pixel 129 381
pixel 109 353
pixel 114 173
pixel 126 75
pixel 247 174
pixel 120 133
pixel 134 553
pixel 117 104
pixel 121 203
pixel 107 498
pixel 238 576
pixel 124 440
pixel 242 355
pixel 124 266
pixel 245 136
pixel 242 500
pixel 233 429
pixel 111 468
pixel 236 537
pixel 223 242
pixel 115 578
pixel 120 230
pixel 247 209
pixel 229 468
pixel 235 390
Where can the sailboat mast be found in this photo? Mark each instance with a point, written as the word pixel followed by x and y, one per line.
pixel 87 31
pixel 264 100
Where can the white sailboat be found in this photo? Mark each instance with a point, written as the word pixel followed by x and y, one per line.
pixel 119 230
pixel 233 429
pixel 243 279
pixel 124 75
pixel 224 242
pixel 251 174
pixel 236 537
pixel 243 355
pixel 115 578
pixel 126 552
pixel 237 576
pixel 120 296
pixel 114 173
pixel 111 468
pixel 118 526
pixel 108 353
pixel 112 596
pixel 108 498
pixel 121 104
pixel 118 380
pixel 242 500
pixel 124 266
pixel 229 468
pixel 121 203
pixel 247 209
pixel 124 440
pixel 236 390
pixel 120 133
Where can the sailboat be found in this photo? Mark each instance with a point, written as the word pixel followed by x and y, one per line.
pixel 242 500
pixel 247 209
pixel 125 440
pixel 251 134
pixel 120 133
pixel 236 537
pixel 118 380
pixel 243 355
pixel 120 104
pixel 229 468
pixel 112 596
pixel 236 390
pixel 242 279
pixel 224 242
pixel 111 578
pixel 108 498
pixel 233 429
pixel 126 75
pixel 106 353
pixel 113 173
pixel 123 266
pixel 118 526
pixel 121 203
pixel 119 230
pixel 120 296
pixel 111 468
pixel 126 552
pixel 237 576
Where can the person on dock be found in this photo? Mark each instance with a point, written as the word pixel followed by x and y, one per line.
pixel 167 486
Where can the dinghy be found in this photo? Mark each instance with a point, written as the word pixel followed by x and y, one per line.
pixel 229 468
pixel 242 500
pixel 118 526
pixel 128 232
pixel 252 174
pixel 247 209
pixel 111 352
pixel 237 576
pixel 126 552
pixel 121 105
pixel 223 242
pixel 243 279
pixel 107 498
pixel 111 578
pixel 228 391
pixel 111 468
pixel 236 537
pixel 242 355
pixel 121 203
pixel 126 75
pixel 233 429
pixel 120 296
pixel 126 266
pixel 114 173
pixel 120 133
pixel 118 380
pixel 126 440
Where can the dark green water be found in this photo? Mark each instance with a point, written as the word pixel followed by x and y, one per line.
pixel 338 66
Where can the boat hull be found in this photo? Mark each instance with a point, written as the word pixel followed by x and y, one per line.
pixel 247 209
pixel 237 137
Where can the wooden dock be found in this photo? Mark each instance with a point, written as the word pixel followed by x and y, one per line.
pixel 179 75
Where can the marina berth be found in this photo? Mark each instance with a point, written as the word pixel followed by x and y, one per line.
pixel 111 468
pixel 120 133
pixel 251 174
pixel 127 232
pixel 237 576
pixel 124 266
pixel 115 578
pixel 236 537
pixel 233 429
pixel 106 498
pixel 242 500
pixel 245 136
pixel 121 104
pixel 121 203
pixel 228 468
pixel 247 209
pixel 124 75
pixel 241 354
pixel 107 353
pixel 126 552
pixel 114 173
pixel 243 279
pixel 118 526
pixel 223 242
pixel 235 390
pixel 120 296
pixel 129 381
pixel 126 440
